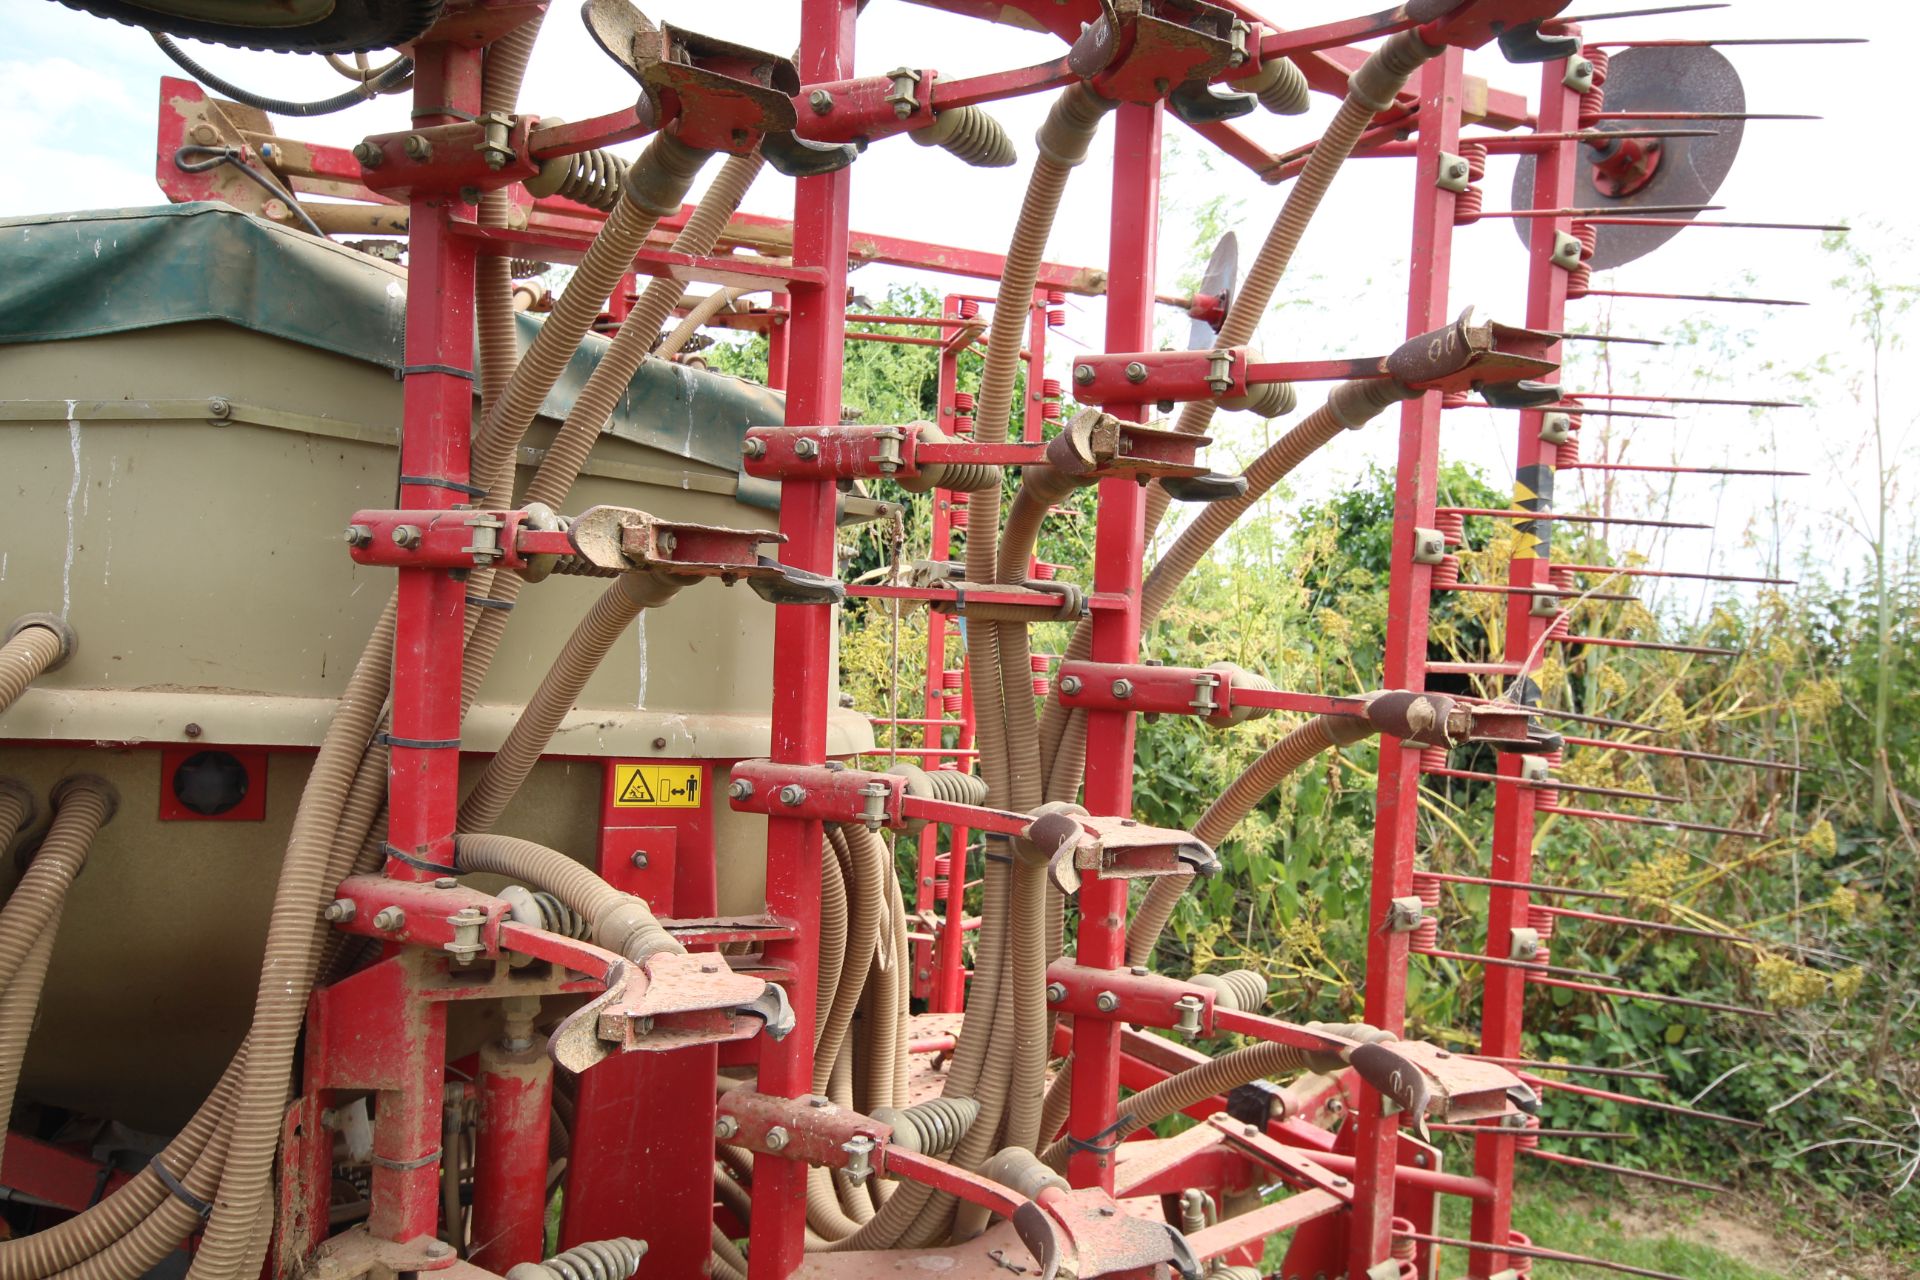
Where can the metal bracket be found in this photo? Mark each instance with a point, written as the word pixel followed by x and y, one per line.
pixel 1429 546
pixel 1453 173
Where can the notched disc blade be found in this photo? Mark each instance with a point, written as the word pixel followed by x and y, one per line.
pixel 1690 170
pixel 1222 274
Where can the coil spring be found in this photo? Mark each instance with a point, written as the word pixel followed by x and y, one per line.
pixel 950 691
pixel 1594 100
pixel 1049 411
pixel 1056 316
pixel 592 178
pixel 1521 1264
pixel 614 1259
pixel 1554 758
pixel 1050 393
pixel 1426 934
pixel 1559 627
pixel 1541 921
pixel 522 268
pixel 1545 794
pixel 1453 527
pixel 1455 398
pixel 1043 571
pixel 1446 574
pixel 542 910
pixel 1282 87
pixel 1432 758
pixel 1040 663
pixel 969 308
pixel 1567 452
pixel 1580 279
pixel 1468 204
pixel 1404 1246
pixel 1235 1273
pixel 1564 578
pixel 930 1127
pixel 963 406
pixel 957 518
pixel 1241 989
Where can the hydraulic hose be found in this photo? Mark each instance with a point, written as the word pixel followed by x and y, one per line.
pixel 581 656
pixel 82 806
pixel 1278 762
pixel 654 188
pixel 621 922
pixel 701 312
pixel 38 644
pixel 392 79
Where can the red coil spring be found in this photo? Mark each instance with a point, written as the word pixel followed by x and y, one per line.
pixel 1039 661
pixel 1426 935
pixel 1455 399
pixel 1468 204
pixel 1056 316
pixel 1446 574
pixel 1564 578
pixel 957 518
pixel 1540 920
pixel 969 308
pixel 1452 526
pixel 1049 411
pixel 1050 398
pixel 1560 626
pixel 1039 686
pixel 1056 298
pixel 1432 758
pixel 950 695
pixel 1594 100
pixel 1050 388
pixel 1043 570
pixel 1581 277
pixel 962 412
pixel 942 866
pixel 1567 452
pixel 1404 1247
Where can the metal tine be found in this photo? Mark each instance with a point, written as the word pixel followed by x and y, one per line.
pixel 1643 398
pixel 1661 926
pixel 1599 135
pixel 1550 593
pixel 1608 1095
pixel 1579 1068
pixel 1582 213
pixel 1681 753
pixel 1634 13
pixel 1591 413
pixel 1673 471
pixel 1699 115
pixel 1580 717
pixel 1568 517
pixel 1534 1251
pixel 1630 993
pixel 1653 797
pixel 1636 572
pixel 1634 820
pixel 1656 646
pixel 1691 222
pixel 1609 337
pixel 1692 297
pixel 1552 890
pixel 1495 1131
pixel 1579 1162
pixel 1737 40
pixel 1533 967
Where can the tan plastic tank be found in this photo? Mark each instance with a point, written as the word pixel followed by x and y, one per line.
pixel 176 486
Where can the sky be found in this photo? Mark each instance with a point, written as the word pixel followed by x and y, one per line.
pixel 78 100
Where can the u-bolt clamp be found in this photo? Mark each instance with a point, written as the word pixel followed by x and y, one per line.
pixel 623 540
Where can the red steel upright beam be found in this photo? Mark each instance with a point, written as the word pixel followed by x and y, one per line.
pixel 1505 988
pixel 1119 549
pixel 803 640
pixel 1397 796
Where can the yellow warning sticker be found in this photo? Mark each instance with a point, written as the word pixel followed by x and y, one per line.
pixel 656 786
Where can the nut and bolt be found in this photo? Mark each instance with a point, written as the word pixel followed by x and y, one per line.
pixel 816 1101
pixel 1188 1023
pixel 446 882
pixel 369 155
pixel 806 447
pixel 821 101
pixel 204 134
pixel 740 789
pixel 1056 992
pixel 753 447
pixel 437 1249
pixel 1139 970
pixel 777 1139
pixel 341 910
pixel 1083 375
pixel 219 407
pixel 193 730
pixel 1123 688
pixel 359 535
pixel 417 147
pixel 639 861
pixel 792 794
pixel 389 919
pixel 859 1149
pixel 725 1127
pixel 406 536
pixel 1136 372
pixel 1069 684
pixel 1106 1002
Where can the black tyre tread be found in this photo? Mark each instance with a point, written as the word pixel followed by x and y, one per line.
pixel 354 26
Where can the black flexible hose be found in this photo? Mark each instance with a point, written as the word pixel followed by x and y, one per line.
pixel 207 157
pixel 392 78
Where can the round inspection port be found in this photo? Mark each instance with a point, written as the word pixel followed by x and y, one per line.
pixel 210 782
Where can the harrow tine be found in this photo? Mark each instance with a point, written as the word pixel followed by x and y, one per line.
pixel 1596 815
pixel 1532 967
pixel 1495 1131
pixel 1578 1162
pixel 1549 593
pixel 1699 115
pixel 1576 716
pixel 1657 646
pixel 1673 471
pixel 1564 517
pixel 1708 44
pixel 1617 792
pixel 1609 337
pixel 1533 1251
pixel 1629 993
pixel 1682 753
pixel 1636 13
pixel 1629 1073
pixel 1657 926
pixel 1633 572
pixel 1591 413
pixel 1449 877
pixel 1691 297
pixel 1628 1099
pixel 1688 222
pixel 1585 213
pixel 1641 396
pixel 1605 135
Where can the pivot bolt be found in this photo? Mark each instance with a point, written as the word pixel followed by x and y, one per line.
pixel 1056 992
pixel 369 155
pixel 446 882
pixel 1136 372
pixel 1070 684
pixel 777 1139
pixel 1123 688
pixel 740 789
pixel 437 1249
pixel 359 535
pixel 753 447
pixel 389 919
pixel 792 794
pixel 1106 1002
pixel 725 1127
pixel 341 910
pixel 821 101
pixel 806 447
pixel 406 536
pixel 417 147
pixel 1083 375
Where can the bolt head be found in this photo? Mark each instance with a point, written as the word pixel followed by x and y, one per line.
pixel 753 447
pixel 389 919
pixel 1083 375
pixel 193 730
pixel 359 535
pixel 725 1127
pixel 792 794
pixel 437 1249
pixel 1070 684
pixel 406 536
pixel 446 882
pixel 1136 372
pixel 740 789
pixel 639 860
pixel 1106 1002
pixel 369 155
pixel 777 1139
pixel 341 910
pixel 1056 992
pixel 1123 689
pixel 417 147
pixel 821 101
pixel 806 447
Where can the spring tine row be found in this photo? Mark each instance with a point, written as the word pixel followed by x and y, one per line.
pixel 1628 1099
pixel 1558 1157
pixel 1681 753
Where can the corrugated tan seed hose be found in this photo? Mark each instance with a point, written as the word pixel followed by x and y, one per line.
pixel 578 659
pixel 1276 764
pixel 697 315
pixel 655 185
pixel 622 923
pixel 82 806
pixel 833 934
pixel 866 910
pixel 501 75
pixel 29 653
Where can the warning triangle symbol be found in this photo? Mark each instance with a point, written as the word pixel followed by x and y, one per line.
pixel 636 791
